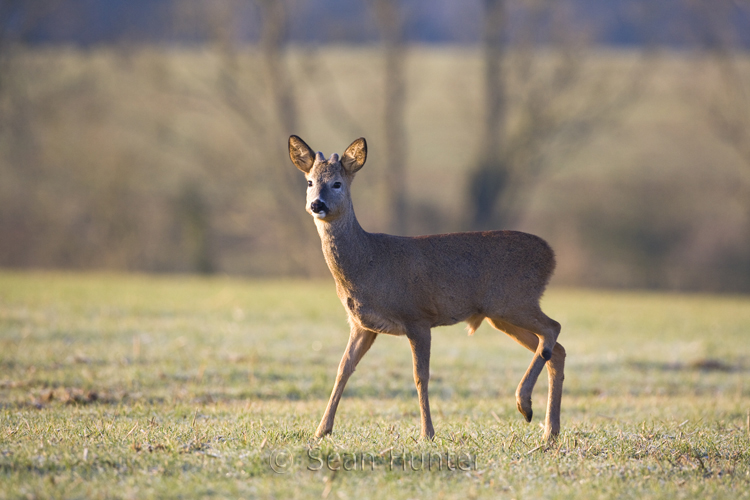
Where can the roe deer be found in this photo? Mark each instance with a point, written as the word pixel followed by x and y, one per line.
pixel 405 286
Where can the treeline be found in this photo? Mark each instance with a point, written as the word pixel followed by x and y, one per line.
pixel 634 164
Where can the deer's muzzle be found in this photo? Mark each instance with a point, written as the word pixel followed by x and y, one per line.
pixel 318 207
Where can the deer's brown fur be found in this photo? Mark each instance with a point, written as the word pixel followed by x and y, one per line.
pixel 406 285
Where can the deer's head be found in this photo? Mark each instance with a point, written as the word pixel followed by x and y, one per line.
pixel 328 181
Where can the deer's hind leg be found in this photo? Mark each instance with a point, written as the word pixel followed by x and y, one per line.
pixel 533 320
pixel 555 372
pixel 526 386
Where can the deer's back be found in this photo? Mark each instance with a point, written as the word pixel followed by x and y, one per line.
pixel 488 255
pixel 488 266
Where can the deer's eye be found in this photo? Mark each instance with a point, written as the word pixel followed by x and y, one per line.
pixel 309 183
pixel 337 185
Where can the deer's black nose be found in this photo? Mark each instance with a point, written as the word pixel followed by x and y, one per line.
pixel 318 206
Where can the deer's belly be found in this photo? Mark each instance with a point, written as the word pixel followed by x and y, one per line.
pixel 370 318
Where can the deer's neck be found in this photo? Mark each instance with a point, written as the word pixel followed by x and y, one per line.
pixel 346 247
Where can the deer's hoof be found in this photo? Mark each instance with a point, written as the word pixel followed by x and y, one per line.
pixel 551 435
pixel 322 433
pixel 525 408
pixel 428 435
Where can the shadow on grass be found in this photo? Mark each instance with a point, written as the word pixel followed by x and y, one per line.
pixel 702 365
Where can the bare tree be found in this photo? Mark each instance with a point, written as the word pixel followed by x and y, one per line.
pixel 19 151
pixel 537 94
pixel 491 174
pixel 729 105
pixel 390 20
pixel 18 18
pixel 727 108
pixel 256 90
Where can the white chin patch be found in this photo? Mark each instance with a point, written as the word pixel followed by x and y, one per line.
pixel 320 215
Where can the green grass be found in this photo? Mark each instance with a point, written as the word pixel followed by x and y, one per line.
pixel 139 386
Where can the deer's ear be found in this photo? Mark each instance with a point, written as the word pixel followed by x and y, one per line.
pixel 355 155
pixel 301 154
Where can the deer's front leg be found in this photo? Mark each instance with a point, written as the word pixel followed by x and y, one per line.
pixel 360 341
pixel 420 340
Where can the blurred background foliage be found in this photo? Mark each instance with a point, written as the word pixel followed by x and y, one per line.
pixel 151 135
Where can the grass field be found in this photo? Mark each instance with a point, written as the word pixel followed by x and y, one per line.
pixel 139 386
